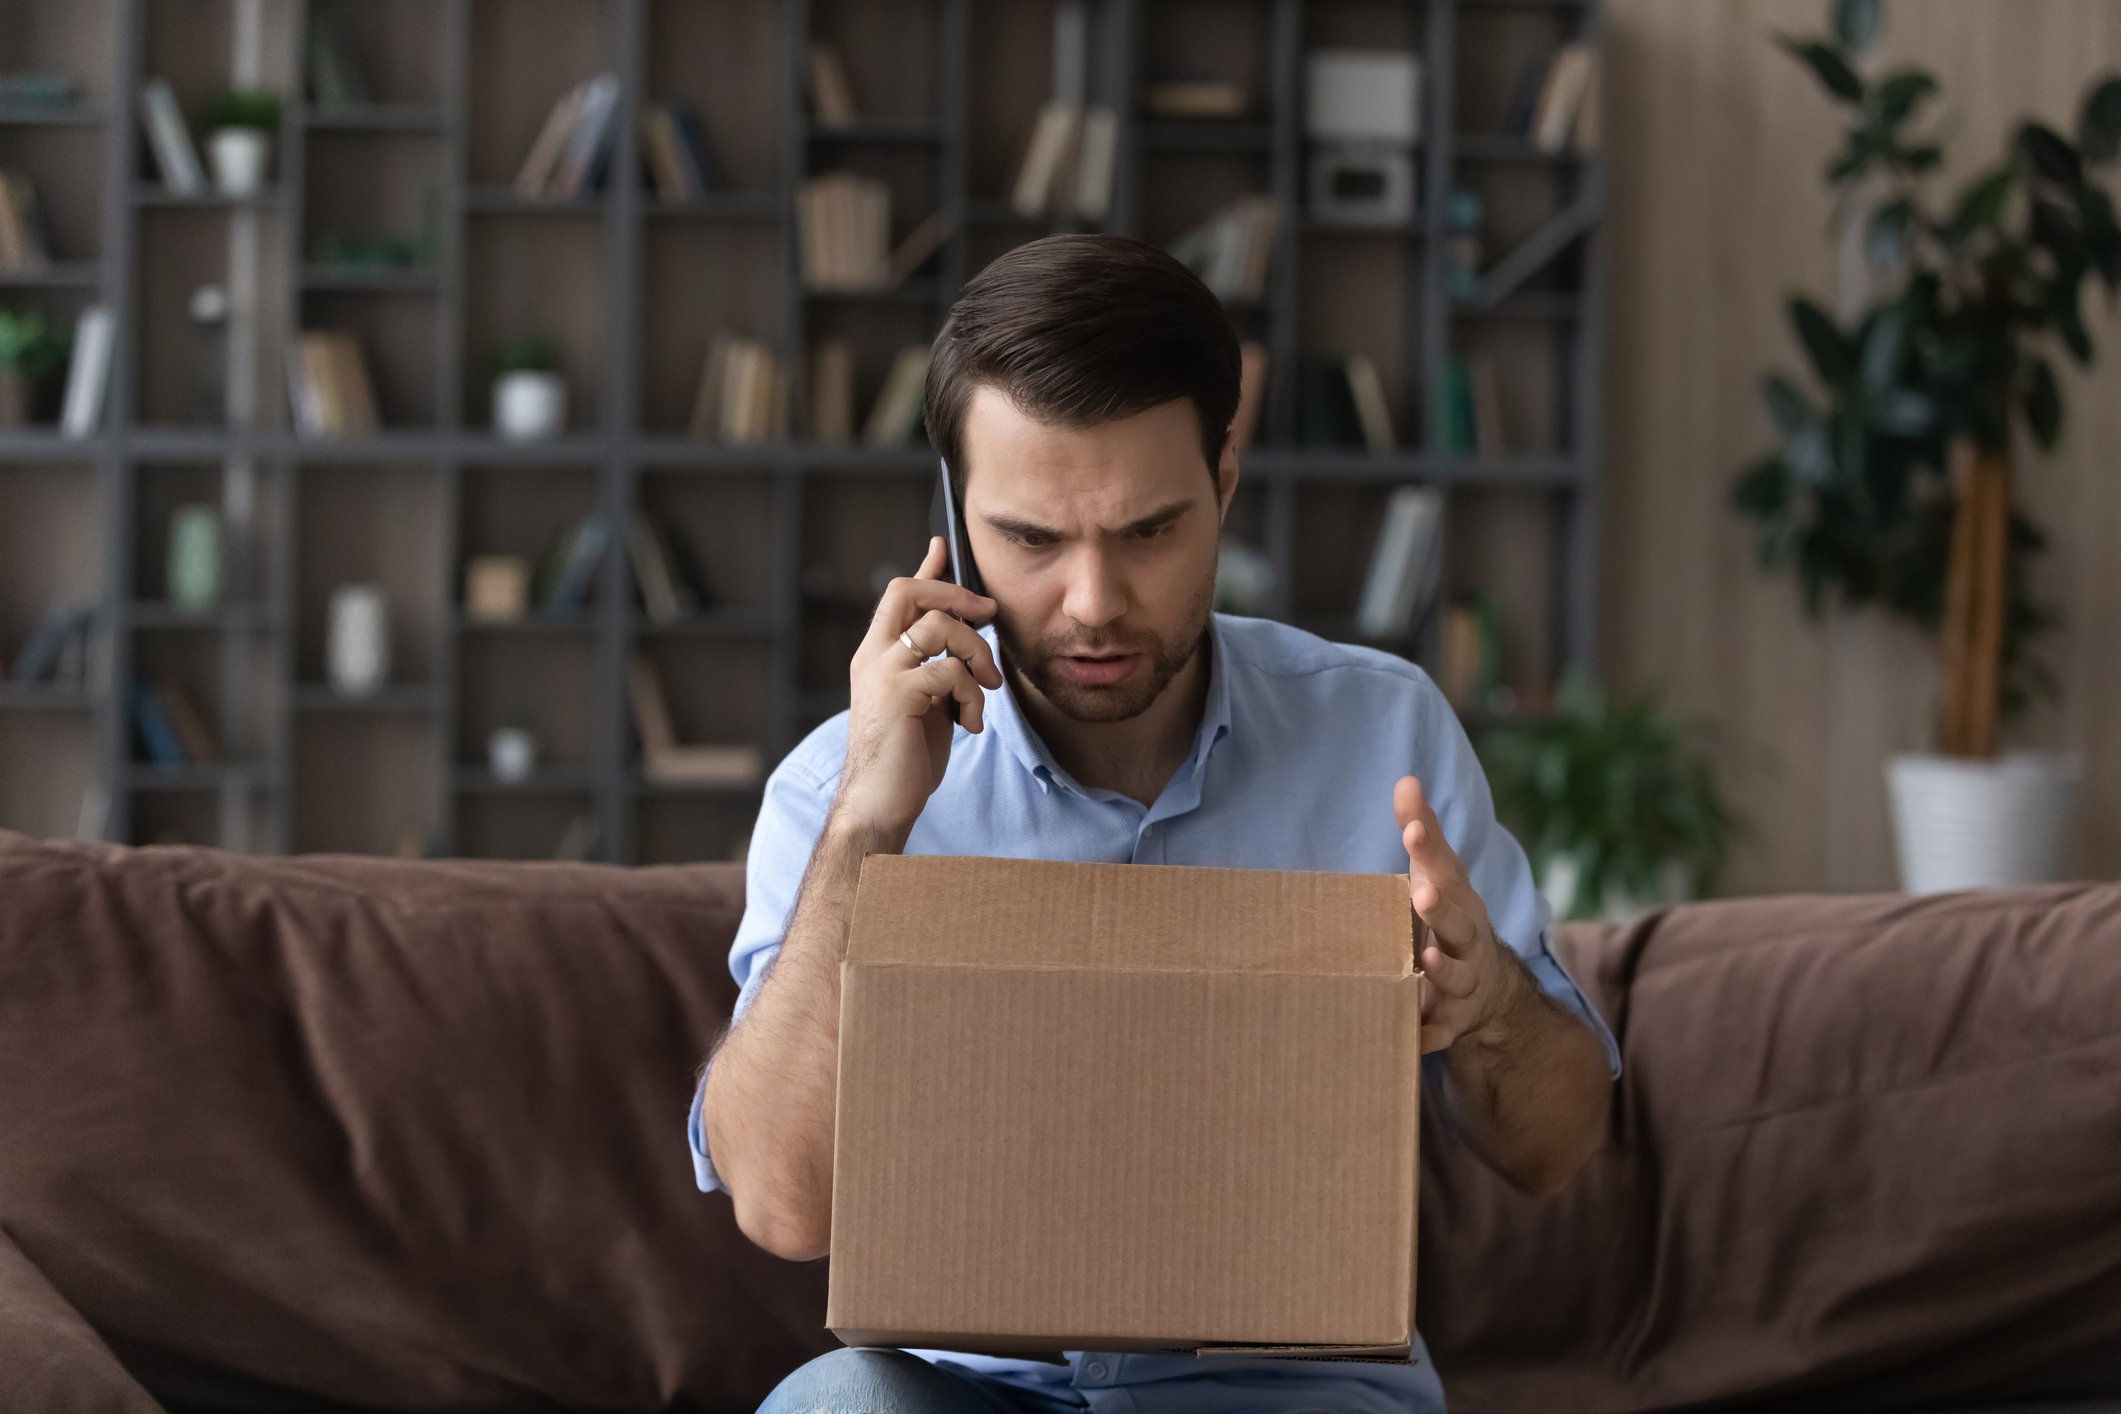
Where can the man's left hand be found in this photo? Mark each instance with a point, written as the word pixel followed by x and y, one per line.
pixel 1471 983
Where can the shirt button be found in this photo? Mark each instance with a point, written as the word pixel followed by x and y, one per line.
pixel 1095 1369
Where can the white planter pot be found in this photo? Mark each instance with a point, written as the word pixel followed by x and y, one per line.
pixel 1967 824
pixel 357 642
pixel 512 752
pixel 529 407
pixel 1562 879
pixel 239 156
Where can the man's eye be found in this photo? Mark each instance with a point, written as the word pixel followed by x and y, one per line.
pixel 1154 531
pixel 1032 542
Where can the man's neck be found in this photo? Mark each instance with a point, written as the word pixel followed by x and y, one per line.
pixel 1135 757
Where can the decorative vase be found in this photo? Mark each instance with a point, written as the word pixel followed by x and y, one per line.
pixel 512 752
pixel 357 642
pixel 529 405
pixel 1973 823
pixel 239 156
pixel 195 558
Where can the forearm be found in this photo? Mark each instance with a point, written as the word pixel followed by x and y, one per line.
pixel 1531 1091
pixel 768 1110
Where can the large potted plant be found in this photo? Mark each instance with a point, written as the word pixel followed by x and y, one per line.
pixel 1891 486
pixel 1615 803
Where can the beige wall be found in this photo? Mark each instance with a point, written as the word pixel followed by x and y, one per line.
pixel 1717 141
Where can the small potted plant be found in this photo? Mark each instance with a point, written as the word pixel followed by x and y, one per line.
pixel 529 395
pixel 1615 803
pixel 240 125
pixel 31 354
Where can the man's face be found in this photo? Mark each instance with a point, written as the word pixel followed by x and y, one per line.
pixel 1097 544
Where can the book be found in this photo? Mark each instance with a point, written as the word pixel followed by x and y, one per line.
pixel 1252 393
pixel 1095 162
pixel 1195 98
pixel 336 78
pixel 1325 406
pixel 590 140
pixel 577 571
pixel 1568 82
pixel 706 420
pixel 328 385
pixel 157 735
pixel 831 99
pixel 1453 410
pixel 896 413
pixel 1371 407
pixel 1230 251
pixel 832 391
pixel 651 709
pixel 1039 173
pixel 175 155
pixel 23 247
pixel 535 176
pixel 652 575
pixel 1405 564
pixel 725 764
pixel 194 733
pixel 920 243
pixel 38 657
pixel 702 170
pixel 659 150
pixel 88 373
pixel 1484 390
pixel 845 224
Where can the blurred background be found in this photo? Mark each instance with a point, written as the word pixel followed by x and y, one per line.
pixel 482 427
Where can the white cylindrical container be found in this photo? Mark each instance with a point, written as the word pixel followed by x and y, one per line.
pixel 239 156
pixel 357 641
pixel 529 405
pixel 1971 824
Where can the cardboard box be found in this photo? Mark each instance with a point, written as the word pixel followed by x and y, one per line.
pixel 1126 1107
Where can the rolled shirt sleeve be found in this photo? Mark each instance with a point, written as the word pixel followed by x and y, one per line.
pixel 791 816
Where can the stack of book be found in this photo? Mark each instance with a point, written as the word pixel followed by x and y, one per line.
pixel 1230 250
pixel 896 414
pixel 327 382
pixel 666 572
pixel 173 732
pixel 1340 401
pixel 681 165
pixel 565 573
pixel 830 391
pixel 1195 98
pixel 844 220
pixel 667 761
pixel 23 249
pixel 743 393
pixel 572 153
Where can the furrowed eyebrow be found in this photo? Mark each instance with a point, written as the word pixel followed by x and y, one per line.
pixel 1161 516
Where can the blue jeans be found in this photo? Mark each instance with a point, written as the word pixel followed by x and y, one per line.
pixel 869 1381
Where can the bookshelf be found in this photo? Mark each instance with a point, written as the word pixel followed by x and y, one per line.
pixel 630 287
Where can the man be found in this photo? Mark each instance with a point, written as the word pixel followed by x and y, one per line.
pixel 1094 708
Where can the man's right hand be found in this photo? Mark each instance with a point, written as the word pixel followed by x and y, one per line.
pixel 905 704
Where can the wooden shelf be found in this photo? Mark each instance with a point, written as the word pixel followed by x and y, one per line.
pixel 546 780
pixel 392 699
pixel 39 115
pixel 374 118
pixel 879 132
pixel 59 275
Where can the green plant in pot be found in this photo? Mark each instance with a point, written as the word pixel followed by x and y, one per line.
pixel 1891 486
pixel 1615 802
pixel 31 354
pixel 240 125
pixel 529 395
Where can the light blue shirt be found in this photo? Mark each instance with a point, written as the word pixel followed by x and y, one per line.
pixel 1292 768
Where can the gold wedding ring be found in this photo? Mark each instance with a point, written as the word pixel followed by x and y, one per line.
pixel 906 638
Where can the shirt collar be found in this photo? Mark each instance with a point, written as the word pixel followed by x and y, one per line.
pixel 1005 716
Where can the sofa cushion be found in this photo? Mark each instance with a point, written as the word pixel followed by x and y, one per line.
pixel 391 1134
pixel 1867 1147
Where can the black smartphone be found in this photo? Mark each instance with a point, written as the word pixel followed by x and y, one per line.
pixel 946 520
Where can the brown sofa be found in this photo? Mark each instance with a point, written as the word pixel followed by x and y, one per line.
pixel 337 1132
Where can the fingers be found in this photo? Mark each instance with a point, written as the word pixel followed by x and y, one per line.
pixel 937 632
pixel 1448 975
pixel 908 597
pixel 948 677
pixel 935 561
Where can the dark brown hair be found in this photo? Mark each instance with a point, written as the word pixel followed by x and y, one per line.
pixel 1079 330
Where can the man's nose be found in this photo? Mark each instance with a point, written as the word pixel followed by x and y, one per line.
pixel 1096 594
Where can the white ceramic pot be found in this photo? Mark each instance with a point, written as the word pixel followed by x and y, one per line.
pixel 1562 879
pixel 1971 824
pixel 357 640
pixel 239 156
pixel 512 752
pixel 529 406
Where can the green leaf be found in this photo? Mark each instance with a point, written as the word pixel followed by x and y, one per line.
pixel 1786 405
pixel 2069 325
pixel 1981 204
pixel 1903 412
pixel 1828 66
pixel 1856 22
pixel 2050 153
pixel 2043 403
pixel 1895 95
pixel 1763 489
pixel 1886 240
pixel 1823 342
pixel 1811 457
pixel 1885 348
pixel 1923 158
pixel 2099 128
